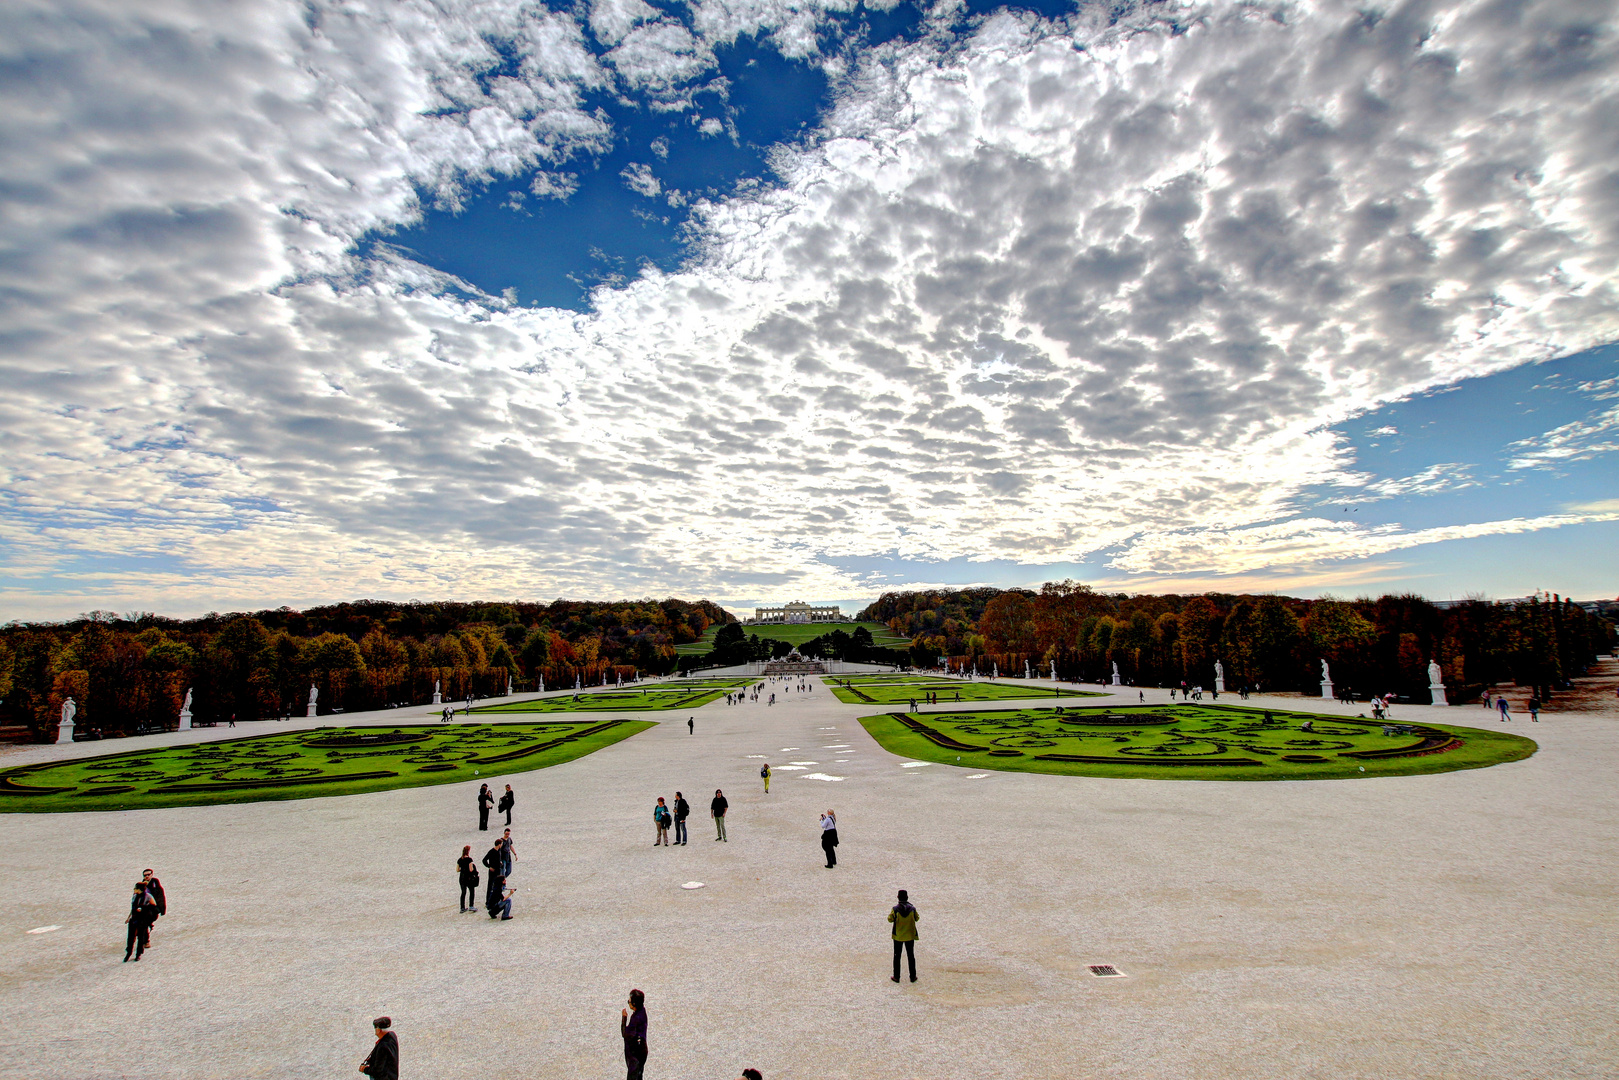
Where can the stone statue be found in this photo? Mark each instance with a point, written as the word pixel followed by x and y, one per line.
pixel 508 686
pixel 542 684
pixel 314 693
pixel 1219 677
pixel 1326 681
pixel 995 670
pixel 185 712
pixel 64 730
pixel 438 698
pixel 1435 676
pixel 1436 684
pixel 1054 671
pixel 1027 674
pixel 1116 674
pixel 1326 676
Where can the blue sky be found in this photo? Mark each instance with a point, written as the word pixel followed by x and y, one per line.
pixel 763 301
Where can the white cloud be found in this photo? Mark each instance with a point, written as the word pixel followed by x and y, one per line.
pixel 639 179
pixel 1308 542
pixel 1578 440
pixel 1042 293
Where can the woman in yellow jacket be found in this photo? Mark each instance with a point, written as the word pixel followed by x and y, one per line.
pixel 904 917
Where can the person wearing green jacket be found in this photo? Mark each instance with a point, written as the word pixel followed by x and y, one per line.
pixel 904 917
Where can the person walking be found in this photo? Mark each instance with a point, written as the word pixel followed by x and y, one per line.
pixel 904 916
pixel 632 1029
pixel 485 801
pixel 383 1061
pixel 716 810
pixel 682 812
pixel 829 838
pixel 469 880
pixel 142 913
pixel 154 889
pixel 764 774
pixel 507 801
pixel 691 724
pixel 1534 707
pixel 1501 702
pixel 661 818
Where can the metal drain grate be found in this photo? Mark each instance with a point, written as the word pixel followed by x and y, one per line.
pixel 1106 971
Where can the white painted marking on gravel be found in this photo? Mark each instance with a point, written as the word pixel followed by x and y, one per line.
pixel 790 749
pixel 692 885
pixel 788 768
pixel 803 763
pixel 819 776
pixel 756 755
pixel 978 776
pixel 44 929
pixel 916 764
pixel 836 745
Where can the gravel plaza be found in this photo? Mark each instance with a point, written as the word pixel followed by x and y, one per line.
pixel 1451 925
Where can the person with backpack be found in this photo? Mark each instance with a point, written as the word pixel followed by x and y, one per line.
pixel 716 810
pixel 904 916
pixel 507 801
pixel 682 812
pixel 764 774
pixel 469 880
pixel 661 818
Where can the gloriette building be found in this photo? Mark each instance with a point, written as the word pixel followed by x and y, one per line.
pixel 798 612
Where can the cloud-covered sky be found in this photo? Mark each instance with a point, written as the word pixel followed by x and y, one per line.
pixel 758 300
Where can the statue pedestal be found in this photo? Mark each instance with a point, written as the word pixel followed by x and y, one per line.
pixel 310 711
pixel 1326 690
pixel 64 731
pixel 1219 685
pixel 438 699
pixel 1437 692
pixel 1116 681
pixel 185 719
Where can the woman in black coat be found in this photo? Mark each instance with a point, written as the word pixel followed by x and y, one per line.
pixel 469 880
pixel 829 838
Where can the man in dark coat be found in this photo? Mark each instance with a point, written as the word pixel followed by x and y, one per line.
pixel 682 812
pixel 154 889
pixel 507 801
pixel 495 861
pixel 142 913
pixel 383 1061
pixel 485 801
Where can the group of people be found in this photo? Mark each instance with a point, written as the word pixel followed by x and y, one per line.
pixel 499 861
pixel 665 817
pixel 147 904
pixel 486 799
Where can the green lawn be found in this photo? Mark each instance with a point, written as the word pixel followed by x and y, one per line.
pixel 798 633
pixel 305 764
pixel 1189 742
pixel 648 696
pixel 898 690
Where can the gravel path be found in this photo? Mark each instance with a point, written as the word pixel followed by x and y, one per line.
pixel 1458 925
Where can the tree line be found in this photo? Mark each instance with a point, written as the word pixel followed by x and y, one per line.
pixel 1372 646
pixel 131 673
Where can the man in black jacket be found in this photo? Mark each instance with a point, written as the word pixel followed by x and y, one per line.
pixel 716 810
pixel 142 913
pixel 495 861
pixel 485 801
pixel 154 889
pixel 383 1061
pixel 682 811
pixel 507 801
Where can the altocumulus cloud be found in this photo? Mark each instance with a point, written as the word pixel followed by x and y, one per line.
pixel 1029 291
